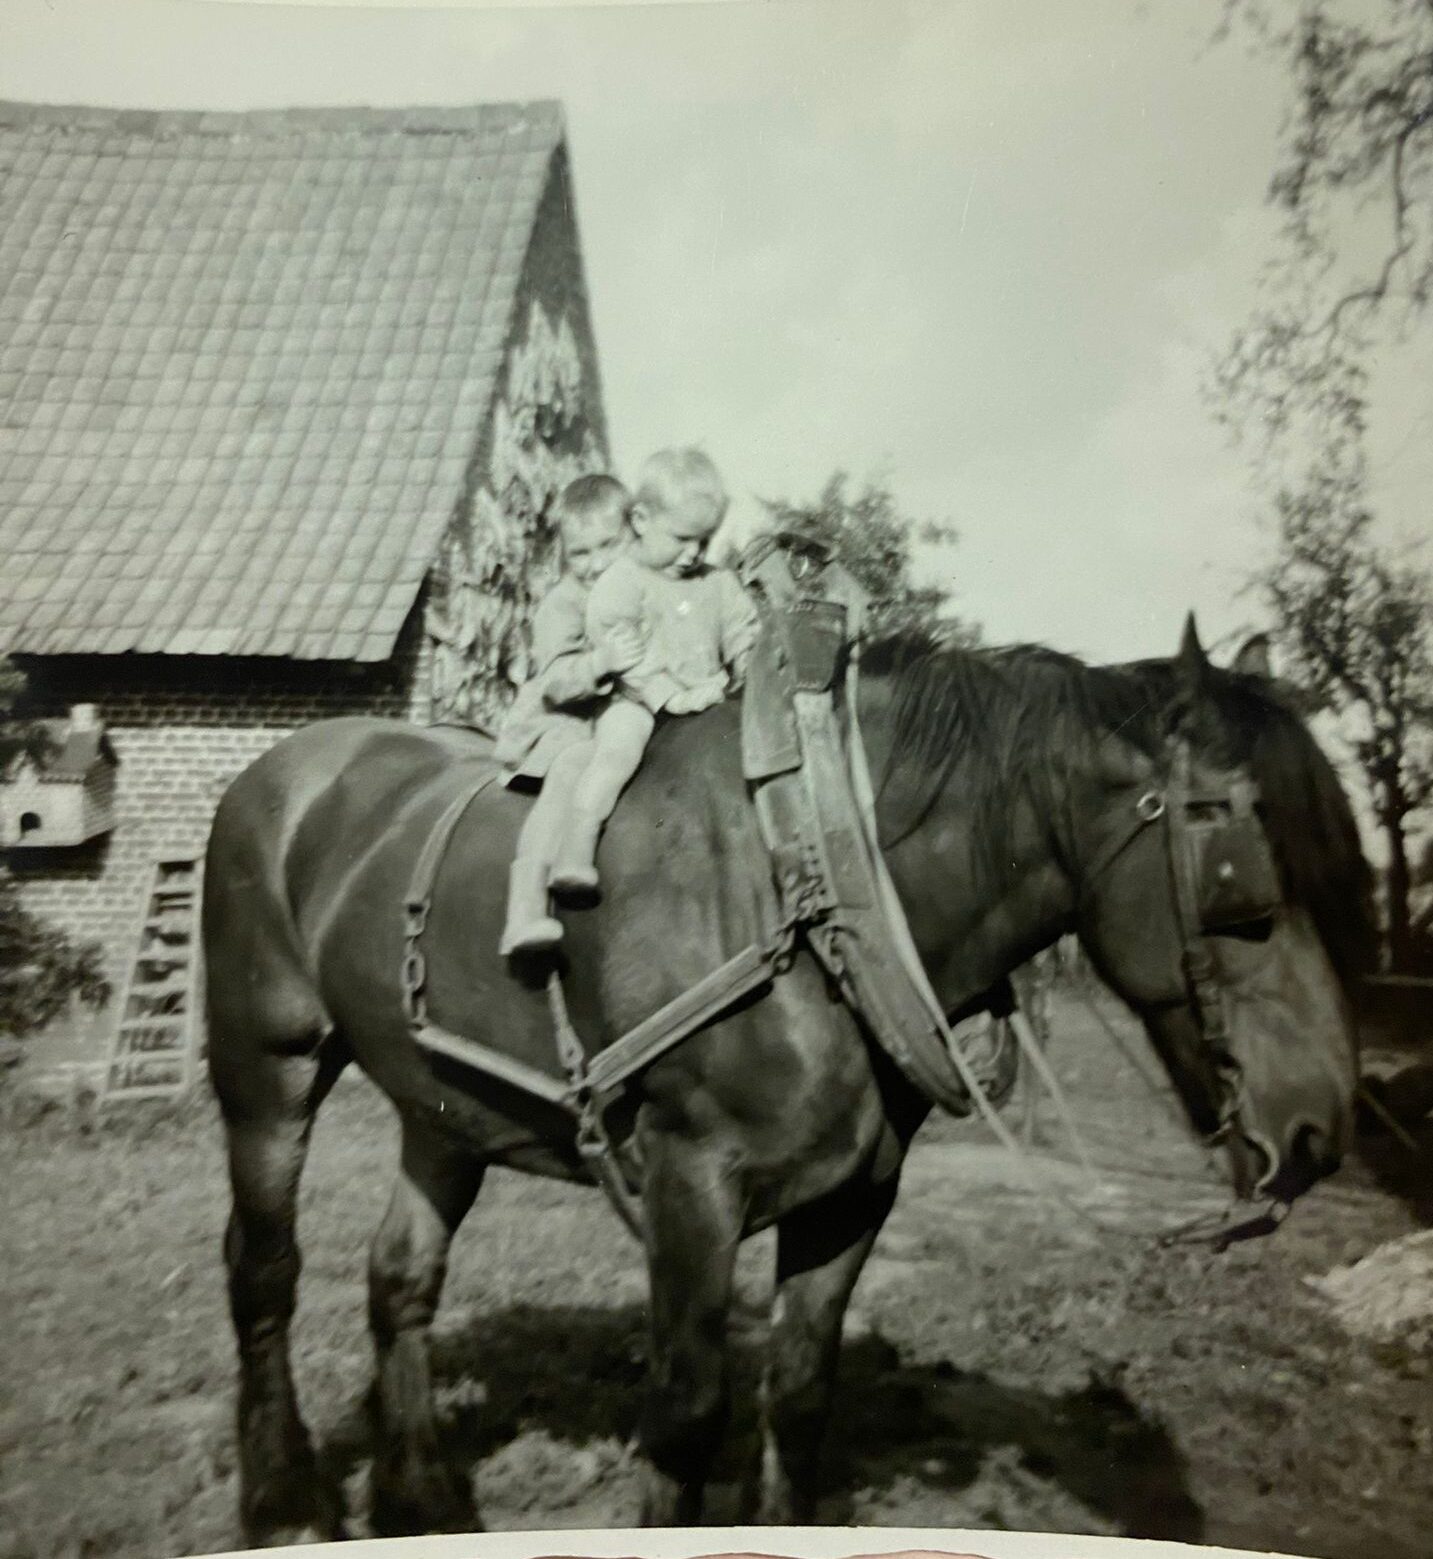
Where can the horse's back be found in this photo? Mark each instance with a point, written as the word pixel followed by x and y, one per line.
pixel 276 849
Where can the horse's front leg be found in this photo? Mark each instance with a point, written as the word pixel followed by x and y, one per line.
pixel 415 1490
pixel 693 1215
pixel 821 1249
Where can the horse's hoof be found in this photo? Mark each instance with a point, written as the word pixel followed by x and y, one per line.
pixel 303 1509
pixel 436 1499
pixel 293 1536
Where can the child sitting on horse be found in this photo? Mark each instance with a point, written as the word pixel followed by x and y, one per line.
pixel 695 624
pixel 547 734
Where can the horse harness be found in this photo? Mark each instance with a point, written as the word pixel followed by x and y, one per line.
pixel 813 798
pixel 593 1083
pixel 1225 881
pixel 1222 870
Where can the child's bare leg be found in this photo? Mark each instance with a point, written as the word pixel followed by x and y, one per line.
pixel 623 731
pixel 530 926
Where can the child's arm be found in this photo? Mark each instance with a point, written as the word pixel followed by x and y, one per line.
pixel 614 609
pixel 739 626
pixel 568 670
pixel 692 700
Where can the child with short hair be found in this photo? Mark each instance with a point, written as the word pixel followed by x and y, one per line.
pixel 548 731
pixel 695 624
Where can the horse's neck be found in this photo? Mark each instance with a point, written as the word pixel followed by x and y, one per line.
pixel 981 881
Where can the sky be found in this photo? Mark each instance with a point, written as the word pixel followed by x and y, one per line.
pixel 983 252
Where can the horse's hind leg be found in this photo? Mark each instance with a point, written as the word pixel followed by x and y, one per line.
pixel 415 1491
pixel 821 1250
pixel 269 1103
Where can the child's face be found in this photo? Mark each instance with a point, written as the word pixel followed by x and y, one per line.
pixel 674 541
pixel 588 549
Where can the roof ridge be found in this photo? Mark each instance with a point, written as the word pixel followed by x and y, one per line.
pixel 431 118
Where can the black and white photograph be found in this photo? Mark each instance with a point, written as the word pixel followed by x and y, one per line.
pixel 716 776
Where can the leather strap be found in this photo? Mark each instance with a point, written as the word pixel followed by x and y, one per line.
pixel 818 823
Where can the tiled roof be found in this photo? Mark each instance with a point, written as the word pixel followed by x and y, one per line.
pixel 244 359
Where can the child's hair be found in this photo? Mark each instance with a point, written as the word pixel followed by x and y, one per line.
pixel 686 477
pixel 593 500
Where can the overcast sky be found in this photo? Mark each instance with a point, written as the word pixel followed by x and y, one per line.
pixel 985 250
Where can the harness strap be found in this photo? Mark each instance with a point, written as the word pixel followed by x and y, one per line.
pixel 418 900
pixel 590 1085
pixel 897 922
pixel 593 1141
pixel 747 971
pixel 494 1063
pixel 818 823
pixel 1148 809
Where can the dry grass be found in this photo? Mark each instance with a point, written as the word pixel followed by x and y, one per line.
pixel 1003 1367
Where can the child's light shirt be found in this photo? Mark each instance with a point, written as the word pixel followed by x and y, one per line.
pixel 555 707
pixel 696 630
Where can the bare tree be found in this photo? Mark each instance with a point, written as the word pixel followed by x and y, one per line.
pixel 1354 181
pixel 1354 267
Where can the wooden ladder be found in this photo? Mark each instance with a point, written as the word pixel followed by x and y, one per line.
pixel 155 1044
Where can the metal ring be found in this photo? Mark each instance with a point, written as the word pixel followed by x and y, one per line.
pixel 1150 806
pixel 415 970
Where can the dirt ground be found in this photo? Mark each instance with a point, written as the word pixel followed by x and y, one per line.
pixel 1006 1365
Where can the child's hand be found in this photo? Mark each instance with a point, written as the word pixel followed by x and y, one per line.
pixel 620 651
pixel 692 700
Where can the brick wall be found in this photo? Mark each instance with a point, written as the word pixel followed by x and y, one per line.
pixel 182 728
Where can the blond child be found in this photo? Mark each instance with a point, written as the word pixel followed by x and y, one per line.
pixel 547 735
pixel 695 626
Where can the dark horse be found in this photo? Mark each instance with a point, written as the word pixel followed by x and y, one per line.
pixel 1008 782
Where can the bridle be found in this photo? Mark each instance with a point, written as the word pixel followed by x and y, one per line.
pixel 1223 878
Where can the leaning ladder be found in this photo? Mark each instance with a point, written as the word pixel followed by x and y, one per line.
pixel 155 1044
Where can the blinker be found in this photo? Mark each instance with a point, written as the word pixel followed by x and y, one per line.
pixel 1235 880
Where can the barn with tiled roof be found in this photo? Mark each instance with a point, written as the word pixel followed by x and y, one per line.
pixel 284 398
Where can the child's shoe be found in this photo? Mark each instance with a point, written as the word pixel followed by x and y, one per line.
pixel 529 928
pixel 574 874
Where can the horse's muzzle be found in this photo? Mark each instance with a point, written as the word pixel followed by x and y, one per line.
pixel 1308 1155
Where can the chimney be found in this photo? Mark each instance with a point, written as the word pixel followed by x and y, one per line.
pixel 83 717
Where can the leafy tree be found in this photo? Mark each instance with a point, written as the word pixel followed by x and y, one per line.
pixel 869 535
pixel 1354 183
pixel 40 966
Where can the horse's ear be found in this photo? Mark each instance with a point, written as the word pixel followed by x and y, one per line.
pixel 1253 659
pixel 1191 677
pixel 1191 664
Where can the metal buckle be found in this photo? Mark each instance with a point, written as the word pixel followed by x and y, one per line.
pixel 1150 806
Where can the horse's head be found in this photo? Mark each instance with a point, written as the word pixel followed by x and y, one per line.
pixel 1220 889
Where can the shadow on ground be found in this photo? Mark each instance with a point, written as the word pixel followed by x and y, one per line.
pixel 575 1376
pixel 1401 1161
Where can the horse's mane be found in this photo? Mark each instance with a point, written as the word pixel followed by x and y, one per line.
pixel 1006 719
